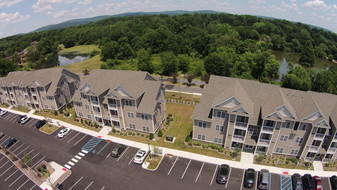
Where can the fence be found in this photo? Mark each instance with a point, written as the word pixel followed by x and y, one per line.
pixel 182 102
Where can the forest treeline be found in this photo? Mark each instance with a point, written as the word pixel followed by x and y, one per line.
pixel 195 44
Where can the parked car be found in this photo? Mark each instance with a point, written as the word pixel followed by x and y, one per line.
pixel 318 183
pixel 222 175
pixel 24 119
pixel 297 182
pixel 249 178
pixel 3 112
pixel 308 182
pixel 117 151
pixel 264 178
pixel 140 156
pixel 19 118
pixel 40 123
pixel 2 134
pixel 9 142
pixel 333 182
pixel 63 132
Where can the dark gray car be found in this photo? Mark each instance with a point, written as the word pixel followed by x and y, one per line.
pixel 249 178
pixel 297 182
pixel 223 172
pixel 117 151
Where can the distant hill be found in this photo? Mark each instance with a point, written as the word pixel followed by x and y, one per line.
pixel 81 21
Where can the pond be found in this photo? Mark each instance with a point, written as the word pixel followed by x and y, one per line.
pixel 70 58
pixel 285 57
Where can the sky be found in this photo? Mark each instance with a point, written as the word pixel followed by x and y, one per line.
pixel 21 16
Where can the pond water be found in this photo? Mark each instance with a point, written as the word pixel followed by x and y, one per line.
pixel 70 58
pixel 285 57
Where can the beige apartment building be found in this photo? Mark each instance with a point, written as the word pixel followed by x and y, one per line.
pixel 265 118
pixel 121 99
pixel 49 89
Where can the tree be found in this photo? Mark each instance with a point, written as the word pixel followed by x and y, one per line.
pixel 183 62
pixel 86 72
pixel 6 66
pixel 307 54
pixel 169 64
pixel 109 50
pixel 26 159
pixel 189 78
pixel 325 81
pixel 298 78
pixel 144 62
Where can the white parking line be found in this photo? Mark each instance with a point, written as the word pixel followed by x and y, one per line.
pixel 18 148
pixel 11 175
pixel 89 185
pixel 243 175
pixel 172 166
pixel 182 176
pixel 256 177
pixel 213 175
pixel 6 139
pixel 67 135
pixel 31 124
pixel 202 166
pixel 22 151
pixel 4 164
pixel 32 187
pixel 121 154
pixel 35 156
pixel 73 137
pixel 15 180
pixel 229 175
pixel 2 158
pixel 3 138
pixel 23 184
pixel 30 152
pixel 131 160
pixel 103 188
pixel 78 157
pixel 80 140
pixel 38 162
pixel 6 170
pixel 14 145
pixel 76 183
pixel 74 160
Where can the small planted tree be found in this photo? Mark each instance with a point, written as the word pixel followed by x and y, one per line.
pixel 160 133
pixel 151 136
pixel 27 160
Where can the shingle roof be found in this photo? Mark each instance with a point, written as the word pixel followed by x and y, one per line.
pixel 264 99
pixel 119 82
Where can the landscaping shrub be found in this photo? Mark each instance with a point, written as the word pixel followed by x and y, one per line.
pixel 61 111
pixel 196 143
pixel 66 114
pixel 138 134
pixel 142 135
pixel 292 159
pixel 147 136
pixel 113 130
pixel 151 136
pixel 188 138
pixel 260 158
pixel 55 112
pixel 129 133
pixel 160 133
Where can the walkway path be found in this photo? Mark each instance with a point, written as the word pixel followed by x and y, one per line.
pixel 242 165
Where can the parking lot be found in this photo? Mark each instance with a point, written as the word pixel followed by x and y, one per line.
pixel 93 168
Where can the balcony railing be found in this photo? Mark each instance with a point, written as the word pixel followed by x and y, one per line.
pixel 319 135
pixel 264 141
pixel 97 113
pixel 325 160
pixel 241 124
pixel 267 129
pixel 94 102
pixel 239 137
pixel 332 149
pixel 112 106
pixel 313 148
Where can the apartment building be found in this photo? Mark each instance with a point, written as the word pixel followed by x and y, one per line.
pixel 265 118
pixel 49 89
pixel 121 99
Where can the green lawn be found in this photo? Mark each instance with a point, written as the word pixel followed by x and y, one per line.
pixel 90 64
pixel 20 108
pixel 154 161
pixel 49 129
pixel 183 97
pixel 83 49
pixel 4 105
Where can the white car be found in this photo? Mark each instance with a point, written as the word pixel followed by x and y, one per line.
pixel 3 112
pixel 63 132
pixel 24 119
pixel 140 156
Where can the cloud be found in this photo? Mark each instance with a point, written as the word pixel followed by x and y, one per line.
pixel 9 18
pixel 8 3
pixel 293 1
pixel 85 2
pixel 315 4
pixel 257 1
pixel 292 7
pixel 47 5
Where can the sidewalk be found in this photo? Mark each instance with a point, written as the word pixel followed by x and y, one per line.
pixel 242 165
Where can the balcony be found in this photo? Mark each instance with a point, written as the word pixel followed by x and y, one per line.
pixel 267 129
pixel 332 149
pixel 96 113
pixel 325 160
pixel 319 136
pixel 112 106
pixel 264 141
pixel 241 125
pixel 114 117
pixel 239 138
pixel 313 148
pixel 94 102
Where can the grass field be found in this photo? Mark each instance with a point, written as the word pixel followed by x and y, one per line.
pixel 83 49
pixel 49 129
pixel 23 109
pixel 90 64
pixel 183 97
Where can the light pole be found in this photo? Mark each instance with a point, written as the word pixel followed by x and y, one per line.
pixel 149 150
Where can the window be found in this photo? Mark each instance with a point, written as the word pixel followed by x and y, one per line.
pixel 279 150
pixel 284 138
pixel 26 96
pixel 131 115
pixel 80 114
pixel 269 123
pixel 132 126
pixel 252 132
pixel 217 140
pixel 128 102
pixel 83 96
pixel 96 109
pixel 241 119
pixel 303 127
pixel 219 128
pixel 146 129
pixel 145 117
pixel 220 114
pixel 50 98
pixel 294 152
pixel 299 140
pixel 45 107
pixel 78 104
pixel 87 107
pixel 201 137
pixel 287 125
pixel 202 124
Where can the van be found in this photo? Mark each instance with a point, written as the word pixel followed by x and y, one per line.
pixel 308 182
pixel 264 179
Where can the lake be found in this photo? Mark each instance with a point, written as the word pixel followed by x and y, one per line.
pixel 70 58
pixel 285 57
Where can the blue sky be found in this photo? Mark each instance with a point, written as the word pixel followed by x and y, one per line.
pixel 20 16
